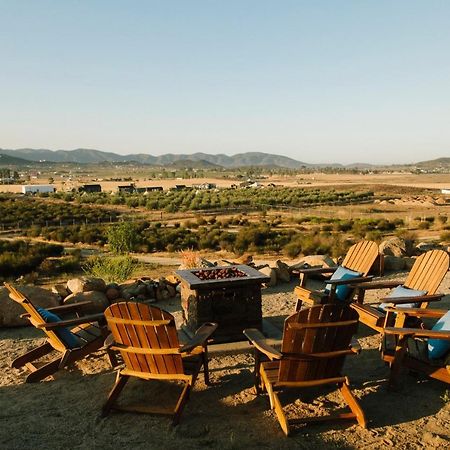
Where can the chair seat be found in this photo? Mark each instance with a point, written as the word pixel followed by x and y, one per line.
pixel 87 332
pixel 417 349
pixel 271 369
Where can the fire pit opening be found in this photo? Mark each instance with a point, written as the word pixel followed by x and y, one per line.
pixel 230 296
pixel 219 274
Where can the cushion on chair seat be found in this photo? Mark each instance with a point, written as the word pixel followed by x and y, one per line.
pixel 402 291
pixel 63 333
pixel 439 347
pixel 343 290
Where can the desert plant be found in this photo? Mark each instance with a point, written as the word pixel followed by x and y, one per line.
pixel 190 259
pixel 113 269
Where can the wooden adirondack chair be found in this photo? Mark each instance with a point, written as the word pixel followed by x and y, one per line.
pixel 89 333
pixel 361 257
pixel 426 274
pixel 315 343
pixel 410 346
pixel 147 339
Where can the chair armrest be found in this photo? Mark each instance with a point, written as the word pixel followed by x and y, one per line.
pixel 68 308
pixel 378 284
pixel 314 270
pixel 418 312
pixel 421 299
pixel 70 322
pixel 349 281
pixel 417 332
pixel 200 337
pixel 62 308
pixel 259 341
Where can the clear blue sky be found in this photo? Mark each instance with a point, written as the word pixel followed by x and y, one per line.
pixel 320 81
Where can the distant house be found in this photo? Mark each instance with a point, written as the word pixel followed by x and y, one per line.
pixel 179 187
pixel 90 188
pixel 205 186
pixel 38 188
pixel 143 190
pixel 126 189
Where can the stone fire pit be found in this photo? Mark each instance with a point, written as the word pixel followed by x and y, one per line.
pixel 230 296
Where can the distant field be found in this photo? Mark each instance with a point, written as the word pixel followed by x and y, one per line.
pixel 422 181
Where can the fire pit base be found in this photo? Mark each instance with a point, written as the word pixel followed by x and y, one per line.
pixel 233 303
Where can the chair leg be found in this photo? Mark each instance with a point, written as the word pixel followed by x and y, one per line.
pixel 112 355
pixel 298 305
pixel 205 365
pixel 352 402
pixel 32 355
pixel 268 386
pixel 280 414
pixel 181 403
pixel 256 374
pixel 120 383
pixel 44 371
pixel 396 365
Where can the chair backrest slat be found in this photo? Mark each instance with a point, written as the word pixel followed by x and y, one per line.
pixel 361 257
pixel 145 326
pixel 301 344
pixel 428 271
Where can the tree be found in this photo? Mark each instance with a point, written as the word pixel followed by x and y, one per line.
pixel 122 238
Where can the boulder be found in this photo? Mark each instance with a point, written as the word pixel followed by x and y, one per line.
pixel 85 284
pixel 112 294
pixel 393 246
pixel 409 262
pixel 10 310
pixel 270 272
pixel 394 263
pixel 162 293
pixel 133 289
pixel 423 247
pixel 282 270
pixel 172 279
pixel 313 261
pixel 61 290
pixel 171 290
pixel 99 301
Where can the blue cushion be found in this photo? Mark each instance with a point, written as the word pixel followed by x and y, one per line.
pixel 402 291
pixel 343 290
pixel 439 347
pixel 63 333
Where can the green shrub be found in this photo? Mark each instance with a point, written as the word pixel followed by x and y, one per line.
pixel 114 269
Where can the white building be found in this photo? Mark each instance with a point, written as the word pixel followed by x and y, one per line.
pixel 38 188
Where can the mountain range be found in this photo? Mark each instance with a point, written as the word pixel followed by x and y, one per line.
pixel 86 156
pixel 204 160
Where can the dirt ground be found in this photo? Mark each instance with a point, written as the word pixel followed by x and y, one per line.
pixel 64 411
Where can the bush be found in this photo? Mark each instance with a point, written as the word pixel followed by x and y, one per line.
pixel 116 269
pixel 122 238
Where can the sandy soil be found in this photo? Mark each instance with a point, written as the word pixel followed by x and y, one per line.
pixel 63 412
